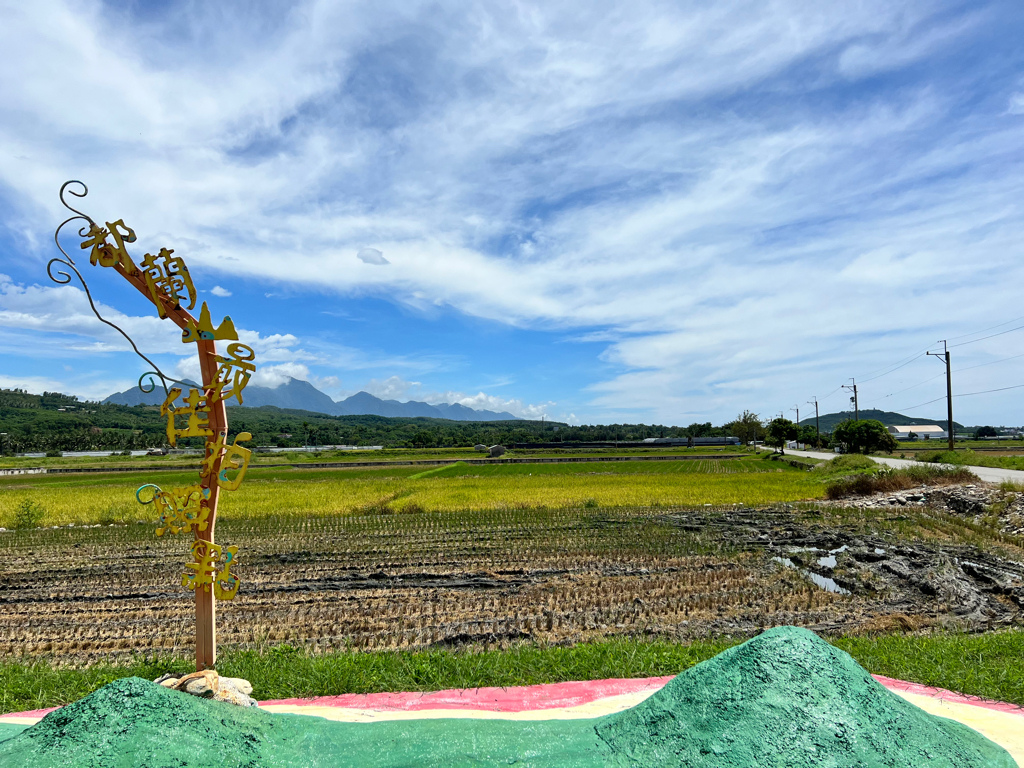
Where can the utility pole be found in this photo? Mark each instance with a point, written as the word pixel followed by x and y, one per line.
pixel 797 409
pixel 817 428
pixel 944 358
pixel 856 407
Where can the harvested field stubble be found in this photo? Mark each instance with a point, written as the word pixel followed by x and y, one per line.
pixel 494 578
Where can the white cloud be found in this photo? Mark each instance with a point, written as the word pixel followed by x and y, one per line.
pixel 274 376
pixel 218 291
pixel 371 256
pixel 396 388
pixel 637 191
pixel 393 388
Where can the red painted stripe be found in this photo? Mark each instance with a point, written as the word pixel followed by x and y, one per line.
pixel 550 696
pixel 519 699
pixel 30 713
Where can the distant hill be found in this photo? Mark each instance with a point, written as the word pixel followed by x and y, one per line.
pixel 828 421
pixel 296 394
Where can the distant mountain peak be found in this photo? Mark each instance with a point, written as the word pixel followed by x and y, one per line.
pixel 298 394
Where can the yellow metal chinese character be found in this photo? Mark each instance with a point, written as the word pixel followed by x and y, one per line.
pixel 180 508
pixel 204 329
pixel 168 280
pixel 235 459
pixel 197 410
pixel 106 254
pixel 206 571
pixel 225 586
pixel 234 370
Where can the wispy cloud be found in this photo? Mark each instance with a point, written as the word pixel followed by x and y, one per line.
pixel 396 388
pixel 703 190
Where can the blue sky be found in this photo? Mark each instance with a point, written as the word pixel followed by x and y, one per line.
pixel 656 212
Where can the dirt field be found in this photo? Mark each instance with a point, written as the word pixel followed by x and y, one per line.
pixel 485 579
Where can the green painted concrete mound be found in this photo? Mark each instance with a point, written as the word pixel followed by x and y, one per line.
pixel 788 698
pixel 784 698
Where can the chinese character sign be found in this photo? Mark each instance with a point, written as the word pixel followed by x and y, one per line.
pixel 169 286
pixel 165 280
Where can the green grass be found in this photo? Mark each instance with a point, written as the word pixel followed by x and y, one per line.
pixel 986 665
pixel 981 665
pixel 110 498
pixel 971 458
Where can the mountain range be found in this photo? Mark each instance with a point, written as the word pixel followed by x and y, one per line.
pixel 301 395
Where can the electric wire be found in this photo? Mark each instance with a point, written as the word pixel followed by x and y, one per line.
pixel 975 341
pixel 882 372
pixel 962 394
pixel 893 370
pixel 990 328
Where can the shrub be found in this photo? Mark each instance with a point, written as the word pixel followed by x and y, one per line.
pixel 28 515
pixel 889 480
pixel 940 457
pixel 847 463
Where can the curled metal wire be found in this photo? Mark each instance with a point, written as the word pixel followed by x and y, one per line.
pixel 62 277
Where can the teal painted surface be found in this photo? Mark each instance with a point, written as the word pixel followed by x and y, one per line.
pixel 7 730
pixel 785 698
pixel 788 698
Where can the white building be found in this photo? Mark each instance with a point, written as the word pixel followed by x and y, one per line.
pixel 923 432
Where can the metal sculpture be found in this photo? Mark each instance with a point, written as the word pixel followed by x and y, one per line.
pixel 164 279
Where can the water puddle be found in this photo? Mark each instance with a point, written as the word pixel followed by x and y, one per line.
pixel 822 581
pixel 829 560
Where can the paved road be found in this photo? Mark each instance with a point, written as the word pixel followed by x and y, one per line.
pixel 989 474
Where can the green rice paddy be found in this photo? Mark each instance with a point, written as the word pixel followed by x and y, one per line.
pixel 110 498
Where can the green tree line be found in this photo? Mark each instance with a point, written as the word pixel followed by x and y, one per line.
pixel 56 422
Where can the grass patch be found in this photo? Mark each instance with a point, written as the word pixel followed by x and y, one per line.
pixel 855 475
pixel 980 665
pixel 986 665
pixel 971 458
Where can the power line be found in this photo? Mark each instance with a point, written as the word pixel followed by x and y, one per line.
pixel 899 364
pixel 920 405
pixel 1001 333
pixel 893 370
pixel 990 328
pixel 963 394
pixel 882 372
pixel 915 386
pixel 987 391
pixel 956 370
pixel 991 362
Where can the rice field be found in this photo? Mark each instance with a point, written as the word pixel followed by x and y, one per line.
pixel 498 579
pixel 110 498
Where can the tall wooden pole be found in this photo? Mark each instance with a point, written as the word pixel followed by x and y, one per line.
pixel 949 400
pixel 944 358
pixel 817 425
pixel 206 608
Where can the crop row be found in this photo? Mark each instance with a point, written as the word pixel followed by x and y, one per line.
pixel 317 494
pixel 487 577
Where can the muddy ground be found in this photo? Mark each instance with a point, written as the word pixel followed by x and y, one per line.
pixel 491 579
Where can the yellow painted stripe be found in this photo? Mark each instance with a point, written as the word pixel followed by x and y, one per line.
pixel 1004 728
